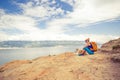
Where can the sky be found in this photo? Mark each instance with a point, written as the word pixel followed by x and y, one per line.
pixel 59 20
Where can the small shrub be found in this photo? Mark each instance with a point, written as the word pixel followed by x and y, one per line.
pixel 116 47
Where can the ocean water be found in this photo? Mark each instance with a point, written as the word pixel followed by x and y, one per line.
pixel 44 49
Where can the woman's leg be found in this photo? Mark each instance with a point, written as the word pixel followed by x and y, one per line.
pixel 88 50
pixel 82 52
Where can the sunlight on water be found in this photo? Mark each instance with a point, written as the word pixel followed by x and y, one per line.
pixel 7 55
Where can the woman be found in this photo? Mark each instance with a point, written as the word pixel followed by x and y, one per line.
pixel 87 49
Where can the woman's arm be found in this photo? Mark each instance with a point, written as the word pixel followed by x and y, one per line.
pixel 88 44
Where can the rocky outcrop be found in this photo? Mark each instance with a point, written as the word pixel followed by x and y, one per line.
pixel 113 46
pixel 113 49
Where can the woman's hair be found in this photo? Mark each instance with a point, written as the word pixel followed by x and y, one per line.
pixel 87 40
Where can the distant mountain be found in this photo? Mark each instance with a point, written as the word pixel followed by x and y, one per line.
pixel 30 44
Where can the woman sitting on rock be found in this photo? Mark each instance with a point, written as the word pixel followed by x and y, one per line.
pixel 89 48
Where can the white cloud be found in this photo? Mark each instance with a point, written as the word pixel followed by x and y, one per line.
pixel 51 36
pixel 36 11
pixel 84 13
pixel 98 38
pixel 1 12
pixel 40 9
pixel 20 22
pixel 3 36
pixel 33 11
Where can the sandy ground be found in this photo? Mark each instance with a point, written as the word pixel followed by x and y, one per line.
pixel 66 66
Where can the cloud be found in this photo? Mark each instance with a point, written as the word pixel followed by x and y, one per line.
pixel 36 11
pixel 85 12
pixel 33 11
pixel 3 36
pixel 81 37
pixel 98 38
pixel 1 12
pixel 40 9
pixel 20 22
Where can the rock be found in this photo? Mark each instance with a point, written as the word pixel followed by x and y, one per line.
pixel 113 46
pixel 115 58
pixel 116 48
pixel 113 49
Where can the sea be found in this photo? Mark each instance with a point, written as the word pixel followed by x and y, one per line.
pixel 45 48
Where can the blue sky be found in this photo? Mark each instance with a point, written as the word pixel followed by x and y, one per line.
pixel 59 19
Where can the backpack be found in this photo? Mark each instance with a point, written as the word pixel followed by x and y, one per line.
pixel 94 46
